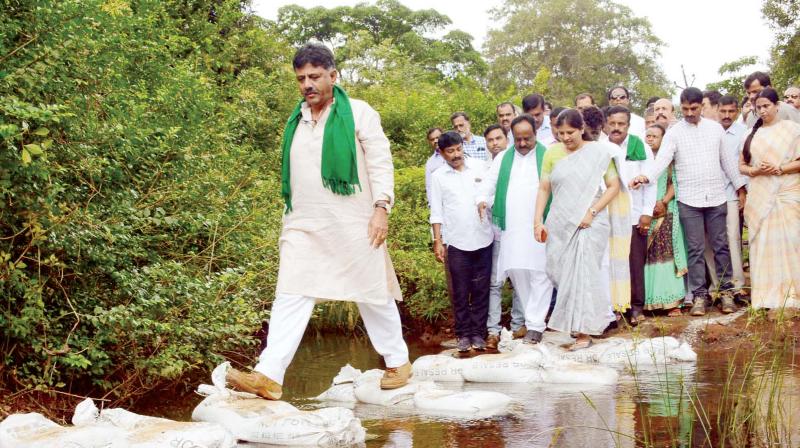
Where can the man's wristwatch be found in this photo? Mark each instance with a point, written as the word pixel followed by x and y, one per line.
pixel 383 204
pixel 593 212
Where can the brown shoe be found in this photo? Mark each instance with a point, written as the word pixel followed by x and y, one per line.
pixel 396 377
pixel 492 341
pixel 699 307
pixel 520 333
pixel 254 383
pixel 726 297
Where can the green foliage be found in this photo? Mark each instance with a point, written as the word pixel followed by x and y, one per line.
pixel 360 34
pixel 783 16
pixel 138 221
pixel 583 45
pixel 735 73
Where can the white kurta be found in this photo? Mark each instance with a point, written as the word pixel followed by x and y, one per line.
pixel 325 252
pixel 518 248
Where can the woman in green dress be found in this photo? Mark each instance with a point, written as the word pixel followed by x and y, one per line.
pixel 665 265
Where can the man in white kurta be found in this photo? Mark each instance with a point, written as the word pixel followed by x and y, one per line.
pixel 332 246
pixel 521 258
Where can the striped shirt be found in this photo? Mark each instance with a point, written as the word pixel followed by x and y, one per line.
pixel 701 163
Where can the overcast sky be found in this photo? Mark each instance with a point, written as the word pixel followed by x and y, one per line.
pixel 700 34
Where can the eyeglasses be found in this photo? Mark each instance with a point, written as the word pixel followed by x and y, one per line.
pixel 620 97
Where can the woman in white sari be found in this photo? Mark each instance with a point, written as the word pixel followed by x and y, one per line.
pixel 583 179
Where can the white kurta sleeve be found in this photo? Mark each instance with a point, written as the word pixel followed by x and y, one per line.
pixel 437 206
pixel 489 185
pixel 377 155
pixel 665 156
pixel 649 190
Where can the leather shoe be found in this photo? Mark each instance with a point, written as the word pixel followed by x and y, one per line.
pixel 532 337
pixel 492 341
pixel 699 307
pixel 726 297
pixel 254 383
pixel 520 332
pixel 396 377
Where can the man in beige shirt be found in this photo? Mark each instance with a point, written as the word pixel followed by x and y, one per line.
pixel 337 182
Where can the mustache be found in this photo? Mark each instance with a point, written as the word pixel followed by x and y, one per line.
pixel 310 90
pixel 661 116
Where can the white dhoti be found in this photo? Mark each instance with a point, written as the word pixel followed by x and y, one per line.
pixel 290 316
pixel 535 292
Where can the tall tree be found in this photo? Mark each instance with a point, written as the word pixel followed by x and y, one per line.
pixel 783 17
pixel 575 46
pixel 734 73
pixel 357 33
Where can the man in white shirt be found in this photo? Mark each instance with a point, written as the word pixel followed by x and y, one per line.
pixel 619 96
pixel 792 96
pixel 434 161
pixel 665 112
pixel 473 145
pixel 701 164
pixel 636 157
pixel 511 186
pixel 533 105
pixel 505 113
pixel 469 240
pixel 735 133
pixel 754 84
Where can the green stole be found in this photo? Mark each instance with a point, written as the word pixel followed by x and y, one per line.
pixel 503 177
pixel 339 165
pixel 635 149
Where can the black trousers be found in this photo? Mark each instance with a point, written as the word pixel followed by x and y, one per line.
pixel 636 261
pixel 471 273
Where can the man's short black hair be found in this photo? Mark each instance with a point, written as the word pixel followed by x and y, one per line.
pixel 459 114
pixel 316 54
pixel 527 118
pixel 761 77
pixel 532 101
pixel 449 139
pixel 593 117
pixel 652 100
pixel 582 96
pixel 548 105
pixel 713 97
pixel 619 110
pixel 608 94
pixel 728 99
pixel 492 127
pixel 691 95
pixel 554 113
pixel 505 103
pixel 430 131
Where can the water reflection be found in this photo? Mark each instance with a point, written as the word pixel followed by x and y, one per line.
pixel 652 406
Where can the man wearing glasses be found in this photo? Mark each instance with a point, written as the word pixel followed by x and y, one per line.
pixel 792 96
pixel 619 96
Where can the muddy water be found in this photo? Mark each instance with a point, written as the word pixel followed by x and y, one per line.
pixel 655 407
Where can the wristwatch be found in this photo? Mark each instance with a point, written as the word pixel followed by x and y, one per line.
pixel 593 212
pixel 384 205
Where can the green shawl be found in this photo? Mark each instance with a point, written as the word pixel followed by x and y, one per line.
pixel 499 207
pixel 339 166
pixel 635 148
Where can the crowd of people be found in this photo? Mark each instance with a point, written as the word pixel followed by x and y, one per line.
pixel 596 214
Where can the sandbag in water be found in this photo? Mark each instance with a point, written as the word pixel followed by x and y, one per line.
pixel 253 419
pixel 472 404
pixel 442 368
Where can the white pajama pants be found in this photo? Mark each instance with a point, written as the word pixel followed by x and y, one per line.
pixel 289 319
pixel 535 292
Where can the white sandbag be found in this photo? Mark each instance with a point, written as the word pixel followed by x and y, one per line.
pixel 472 404
pixel 442 368
pixel 34 430
pixel 253 419
pixel 338 393
pixel 110 428
pixel 633 352
pixel 525 367
pixel 367 389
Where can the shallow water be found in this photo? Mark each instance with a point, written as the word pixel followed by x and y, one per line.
pixel 656 407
